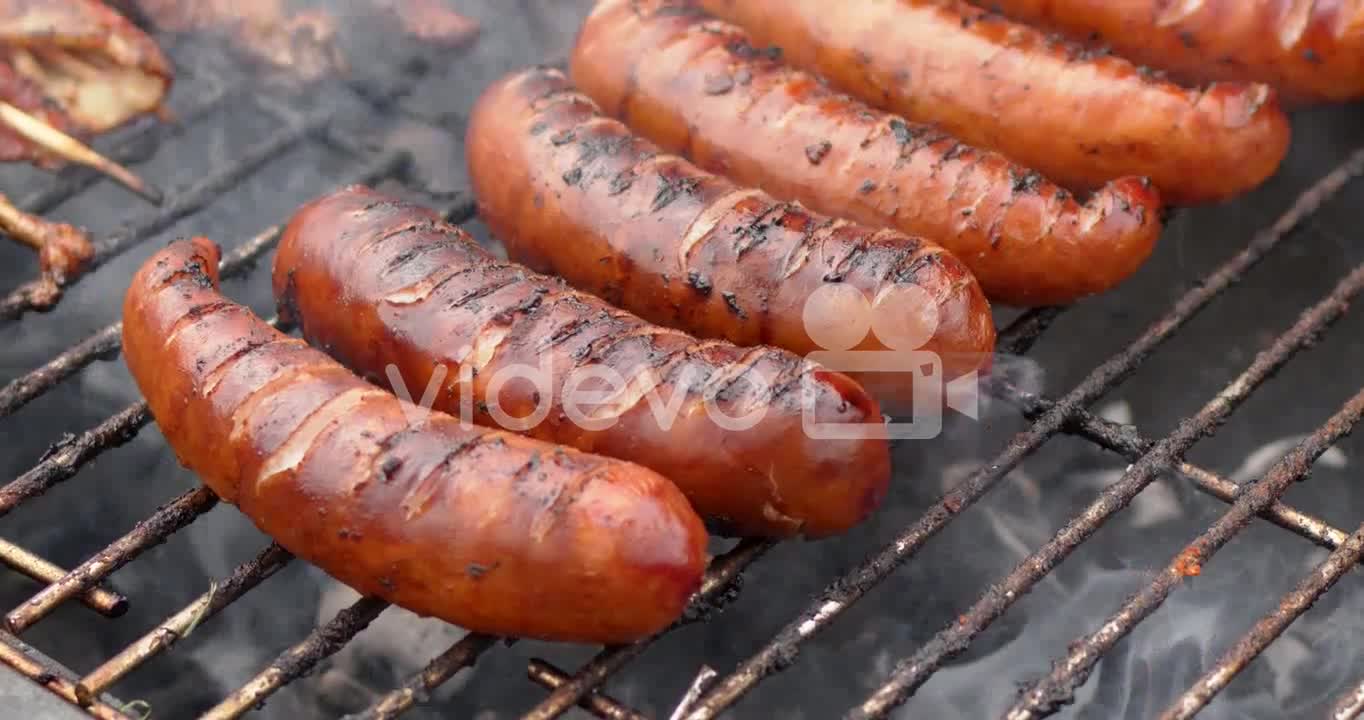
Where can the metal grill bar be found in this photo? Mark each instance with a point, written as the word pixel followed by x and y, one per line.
pixel 105 602
pixel 103 345
pixel 461 655
pixel 322 643
pixel 1047 695
pixel 1350 705
pixel 954 639
pixel 177 627
pixel 66 456
pixel 81 178
pixel 1024 332
pixel 722 575
pixel 145 535
pixel 1294 604
pixel 851 587
pixel 58 685
pixel 1126 441
pixel 703 680
pixel 600 705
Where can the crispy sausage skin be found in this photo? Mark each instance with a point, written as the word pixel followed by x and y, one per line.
pixel 383 283
pixel 573 192
pixel 1079 116
pixel 486 529
pixel 1311 52
pixel 697 86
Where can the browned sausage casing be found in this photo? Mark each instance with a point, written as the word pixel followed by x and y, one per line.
pixel 698 86
pixel 573 192
pixel 1310 51
pixel 1079 116
pixel 382 283
pixel 489 530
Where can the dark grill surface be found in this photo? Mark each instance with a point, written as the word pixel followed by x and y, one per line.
pixel 1129 532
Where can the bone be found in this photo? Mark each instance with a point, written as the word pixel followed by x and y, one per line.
pixel 68 148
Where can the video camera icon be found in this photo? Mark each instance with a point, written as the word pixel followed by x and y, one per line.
pixel 902 319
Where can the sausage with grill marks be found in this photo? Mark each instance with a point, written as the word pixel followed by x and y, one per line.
pixel 573 192
pixel 1312 51
pixel 1078 115
pixel 698 86
pixel 382 283
pixel 485 529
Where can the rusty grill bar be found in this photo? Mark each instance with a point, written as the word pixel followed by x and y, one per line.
pixel 551 677
pixel 708 698
pixel 1294 604
pixel 103 601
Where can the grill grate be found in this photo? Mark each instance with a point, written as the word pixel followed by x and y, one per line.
pixel 955 639
pixel 1050 418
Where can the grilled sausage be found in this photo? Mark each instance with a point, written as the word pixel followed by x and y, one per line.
pixel 489 530
pixel 382 283
pixel 1078 115
pixel 1310 51
pixel 573 192
pixel 698 86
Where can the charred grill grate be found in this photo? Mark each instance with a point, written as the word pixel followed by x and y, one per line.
pixel 1050 418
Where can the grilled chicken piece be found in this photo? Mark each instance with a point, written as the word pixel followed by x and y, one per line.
pixel 83 60
pixel 296 36
pixel 64 251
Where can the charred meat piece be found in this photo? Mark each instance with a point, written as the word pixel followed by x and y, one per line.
pixel 64 251
pixel 82 60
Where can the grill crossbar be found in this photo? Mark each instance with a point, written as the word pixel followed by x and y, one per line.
pixel 602 706
pixel 103 601
pixel 147 534
pixel 178 626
